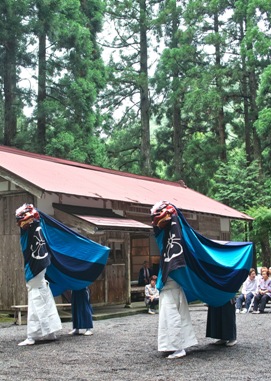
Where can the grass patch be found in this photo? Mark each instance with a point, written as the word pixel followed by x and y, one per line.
pixel 5 318
pixel 196 302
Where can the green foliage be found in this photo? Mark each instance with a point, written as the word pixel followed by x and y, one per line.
pixel 239 185
pixel 72 97
pixel 74 71
pixel 162 153
pixel 1 121
pixel 201 161
pixel 262 223
pixel 243 187
pixel 13 43
pixel 122 147
pixel 261 233
pixel 264 96
pixel 263 123
pixel 127 93
pixel 82 150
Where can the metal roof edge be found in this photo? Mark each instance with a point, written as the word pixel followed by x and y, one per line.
pixel 21 183
pixel 244 218
pixel 89 219
pixel 34 155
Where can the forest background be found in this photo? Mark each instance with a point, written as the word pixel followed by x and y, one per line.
pixel 179 90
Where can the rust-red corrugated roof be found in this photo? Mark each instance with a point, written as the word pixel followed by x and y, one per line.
pixel 114 222
pixel 49 174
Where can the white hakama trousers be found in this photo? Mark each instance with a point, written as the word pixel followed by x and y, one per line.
pixel 42 317
pixel 175 331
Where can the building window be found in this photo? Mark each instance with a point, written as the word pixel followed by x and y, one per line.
pixel 116 254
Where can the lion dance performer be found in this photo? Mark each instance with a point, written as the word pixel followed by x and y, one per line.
pixel 192 267
pixel 175 330
pixel 42 319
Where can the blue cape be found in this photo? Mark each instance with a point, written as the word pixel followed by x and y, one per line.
pixel 76 261
pixel 211 272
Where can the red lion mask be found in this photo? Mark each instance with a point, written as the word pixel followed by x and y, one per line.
pixel 26 215
pixel 161 213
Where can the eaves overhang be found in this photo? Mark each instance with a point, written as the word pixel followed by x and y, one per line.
pixel 91 223
pixel 123 224
pixel 21 183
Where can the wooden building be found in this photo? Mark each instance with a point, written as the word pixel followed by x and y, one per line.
pixel 109 207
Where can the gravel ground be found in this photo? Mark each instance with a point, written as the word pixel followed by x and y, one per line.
pixel 126 349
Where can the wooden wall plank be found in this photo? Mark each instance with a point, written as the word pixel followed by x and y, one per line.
pixel 12 280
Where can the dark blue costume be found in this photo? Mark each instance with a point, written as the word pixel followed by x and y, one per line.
pixel 81 309
pixel 221 322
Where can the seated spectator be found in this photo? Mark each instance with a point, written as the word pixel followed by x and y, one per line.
pixel 259 276
pixel 264 293
pixel 151 295
pixel 145 274
pixel 249 290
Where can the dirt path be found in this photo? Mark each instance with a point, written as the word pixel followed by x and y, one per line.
pixel 126 349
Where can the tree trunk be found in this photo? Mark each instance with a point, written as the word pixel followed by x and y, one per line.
pixel 41 122
pixel 254 116
pixel 10 114
pixel 144 94
pixel 221 125
pixel 176 117
pixel 177 139
pixel 266 250
pixel 245 101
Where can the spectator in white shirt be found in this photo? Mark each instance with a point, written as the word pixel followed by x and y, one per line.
pixel 263 295
pixel 151 295
pixel 259 276
pixel 249 290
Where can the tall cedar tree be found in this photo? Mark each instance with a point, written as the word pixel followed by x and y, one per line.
pixel 187 78
pixel 129 83
pixel 70 75
pixel 12 26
